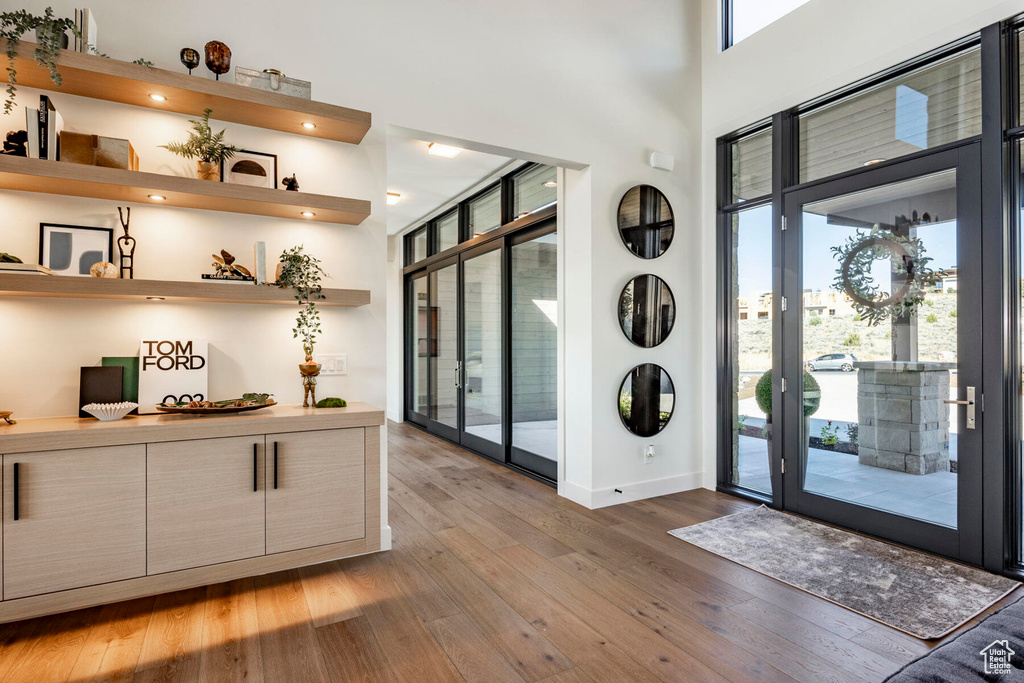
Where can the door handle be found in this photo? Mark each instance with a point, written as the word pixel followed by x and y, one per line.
pixel 255 468
pixel 17 493
pixel 275 465
pixel 971 406
pixel 458 374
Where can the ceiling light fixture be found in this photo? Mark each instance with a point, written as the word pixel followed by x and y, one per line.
pixel 308 214
pixel 394 198
pixel 872 162
pixel 446 151
pixel 157 197
pixel 551 183
pixel 154 298
pixel 157 98
pixel 308 126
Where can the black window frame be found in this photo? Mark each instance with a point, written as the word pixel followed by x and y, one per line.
pixel 1002 193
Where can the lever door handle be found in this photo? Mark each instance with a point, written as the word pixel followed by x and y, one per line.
pixel 971 406
pixel 960 403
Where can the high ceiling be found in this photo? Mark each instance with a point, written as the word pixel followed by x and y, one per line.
pixel 426 182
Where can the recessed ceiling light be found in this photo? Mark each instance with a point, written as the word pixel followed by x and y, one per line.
pixel 307 125
pixel 157 197
pixel 551 183
pixel 154 298
pixel 446 151
pixel 394 198
pixel 308 214
pixel 872 162
pixel 157 98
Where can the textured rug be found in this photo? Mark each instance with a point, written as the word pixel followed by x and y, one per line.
pixel 916 593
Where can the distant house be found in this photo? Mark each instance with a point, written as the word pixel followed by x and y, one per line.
pixel 946 281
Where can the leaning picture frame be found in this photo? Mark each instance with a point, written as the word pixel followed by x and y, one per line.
pixel 73 249
pixel 246 167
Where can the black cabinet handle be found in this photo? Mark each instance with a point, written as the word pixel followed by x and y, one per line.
pixel 17 493
pixel 275 465
pixel 255 468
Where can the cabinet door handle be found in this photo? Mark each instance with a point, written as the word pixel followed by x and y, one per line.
pixel 17 493
pixel 255 468
pixel 275 465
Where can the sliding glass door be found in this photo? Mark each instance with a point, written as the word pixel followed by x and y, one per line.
pixel 444 365
pixel 882 403
pixel 483 310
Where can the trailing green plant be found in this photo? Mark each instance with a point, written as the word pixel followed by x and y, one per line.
pixel 203 144
pixel 302 273
pixel 50 32
pixel 812 394
pixel 829 434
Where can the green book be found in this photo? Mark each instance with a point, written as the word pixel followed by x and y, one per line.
pixel 130 378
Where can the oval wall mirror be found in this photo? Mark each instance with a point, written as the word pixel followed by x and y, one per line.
pixel 647 310
pixel 646 399
pixel 646 223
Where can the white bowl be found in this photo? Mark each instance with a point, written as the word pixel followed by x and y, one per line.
pixel 109 411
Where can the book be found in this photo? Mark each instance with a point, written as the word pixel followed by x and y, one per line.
pixel 24 268
pixel 89 32
pixel 51 123
pixel 32 128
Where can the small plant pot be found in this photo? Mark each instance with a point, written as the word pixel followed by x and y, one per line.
pixel 207 170
pixel 64 40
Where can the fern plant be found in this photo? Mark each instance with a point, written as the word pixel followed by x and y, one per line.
pixel 303 273
pixel 203 144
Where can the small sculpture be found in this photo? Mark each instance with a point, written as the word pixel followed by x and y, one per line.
pixel 218 57
pixel 126 245
pixel 5 415
pixel 309 371
pixel 290 183
pixel 16 143
pixel 225 268
pixel 190 58
pixel 103 269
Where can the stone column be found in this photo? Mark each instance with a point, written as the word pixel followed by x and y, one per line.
pixel 904 424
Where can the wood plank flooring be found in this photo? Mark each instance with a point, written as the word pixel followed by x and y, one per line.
pixel 493 577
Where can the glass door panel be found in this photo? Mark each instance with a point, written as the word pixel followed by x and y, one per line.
pixel 482 348
pixel 420 352
pixel 444 361
pixel 882 322
pixel 534 352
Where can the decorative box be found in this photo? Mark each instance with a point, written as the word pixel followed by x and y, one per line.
pixel 273 81
pixel 97 150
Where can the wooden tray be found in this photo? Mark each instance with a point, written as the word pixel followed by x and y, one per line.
pixel 226 410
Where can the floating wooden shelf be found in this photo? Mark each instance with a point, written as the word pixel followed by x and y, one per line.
pixel 117 81
pixel 97 182
pixel 57 287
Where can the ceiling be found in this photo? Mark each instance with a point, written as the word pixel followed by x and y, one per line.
pixel 426 182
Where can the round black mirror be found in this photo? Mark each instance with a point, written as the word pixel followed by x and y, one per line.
pixel 647 310
pixel 646 223
pixel 646 399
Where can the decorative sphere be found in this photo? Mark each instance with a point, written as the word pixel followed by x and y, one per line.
pixel 218 57
pixel 104 269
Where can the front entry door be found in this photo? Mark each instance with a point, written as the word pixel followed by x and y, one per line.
pixel 882 403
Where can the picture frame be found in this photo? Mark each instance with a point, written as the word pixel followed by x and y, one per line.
pixel 247 167
pixel 71 250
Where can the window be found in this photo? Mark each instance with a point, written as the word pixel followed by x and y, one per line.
pixel 416 246
pixel 743 18
pixel 935 105
pixel 484 212
pixel 751 159
pixel 447 231
pixel 532 190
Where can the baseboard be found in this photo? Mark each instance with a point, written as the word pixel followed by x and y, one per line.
pixel 385 537
pixel 626 493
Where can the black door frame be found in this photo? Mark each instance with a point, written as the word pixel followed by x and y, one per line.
pixel 964 542
pixel 433 425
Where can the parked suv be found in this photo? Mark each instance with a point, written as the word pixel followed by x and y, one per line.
pixel 832 361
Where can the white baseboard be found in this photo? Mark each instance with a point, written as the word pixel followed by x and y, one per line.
pixel 599 498
pixel 385 537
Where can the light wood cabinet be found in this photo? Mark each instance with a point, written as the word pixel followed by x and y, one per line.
pixel 315 488
pixel 80 518
pixel 205 502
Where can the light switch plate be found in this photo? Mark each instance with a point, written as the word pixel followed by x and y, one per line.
pixel 332 363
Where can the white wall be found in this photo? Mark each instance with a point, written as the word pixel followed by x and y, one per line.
pixel 818 47
pixel 598 83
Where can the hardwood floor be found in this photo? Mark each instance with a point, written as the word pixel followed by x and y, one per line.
pixel 493 577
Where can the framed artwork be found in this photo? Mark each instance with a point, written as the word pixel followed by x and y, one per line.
pixel 73 249
pixel 246 167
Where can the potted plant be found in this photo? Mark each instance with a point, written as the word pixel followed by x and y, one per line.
pixel 302 273
pixel 812 399
pixel 51 37
pixel 205 146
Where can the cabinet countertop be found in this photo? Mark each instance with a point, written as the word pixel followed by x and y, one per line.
pixel 57 433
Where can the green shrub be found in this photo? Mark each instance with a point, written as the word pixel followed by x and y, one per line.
pixel 763 394
pixel 815 320
pixel 952 314
pixel 932 318
pixel 852 339
pixel 929 302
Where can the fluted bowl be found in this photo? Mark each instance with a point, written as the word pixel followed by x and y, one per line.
pixel 106 412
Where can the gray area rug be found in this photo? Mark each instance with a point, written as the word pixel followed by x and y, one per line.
pixel 916 593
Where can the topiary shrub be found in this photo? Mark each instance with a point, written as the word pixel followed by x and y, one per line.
pixel 763 394
pixel 331 402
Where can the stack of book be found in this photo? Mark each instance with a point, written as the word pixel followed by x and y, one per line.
pixel 85 41
pixel 24 268
pixel 44 126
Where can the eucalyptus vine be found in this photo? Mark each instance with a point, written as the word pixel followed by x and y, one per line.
pixel 50 32
pixel 911 276
pixel 303 273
